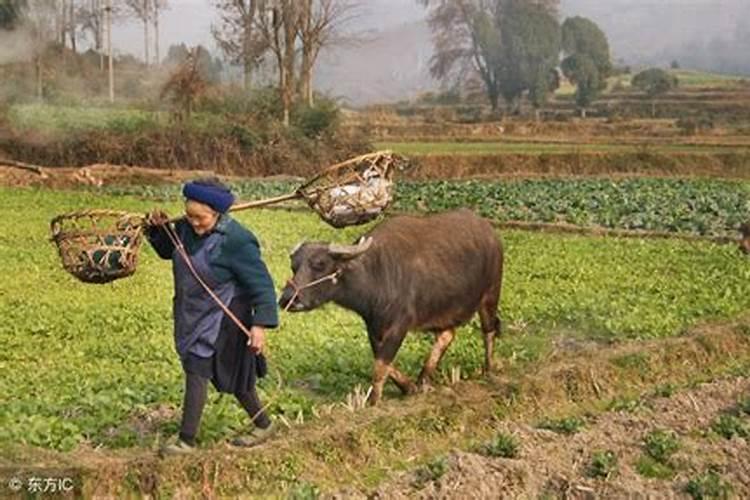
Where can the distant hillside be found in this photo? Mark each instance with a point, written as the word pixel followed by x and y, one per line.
pixel 710 35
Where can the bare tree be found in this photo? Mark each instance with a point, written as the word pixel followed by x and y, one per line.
pixel 185 86
pixel 236 34
pixel 61 21
pixel 321 24
pixel 159 5
pixel 141 10
pixel 91 15
pixel 41 17
pixel 108 12
pixel 72 24
pixel 278 27
pixel 92 19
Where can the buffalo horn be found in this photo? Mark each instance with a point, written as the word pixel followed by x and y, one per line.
pixel 350 251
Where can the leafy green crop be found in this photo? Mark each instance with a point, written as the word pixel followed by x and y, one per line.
pixel 703 207
pixel 687 206
pixel 96 364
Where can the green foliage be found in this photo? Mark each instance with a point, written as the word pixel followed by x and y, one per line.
pixel 70 119
pixel 318 120
pixel 304 491
pixel 530 45
pixel 504 445
pixel 655 81
pixel 588 63
pixel 664 390
pixel 582 37
pixel 744 406
pixel 705 207
pixel 709 485
pixel 660 445
pixel 111 378
pixel 431 471
pixel 10 13
pixel 603 464
pixel 567 426
pixel 582 71
pixel 729 426
pixel 648 467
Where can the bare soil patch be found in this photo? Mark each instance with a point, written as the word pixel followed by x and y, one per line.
pixel 364 451
pixel 94 175
pixel 557 465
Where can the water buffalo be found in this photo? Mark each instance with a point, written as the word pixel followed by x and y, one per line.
pixel 745 240
pixel 408 273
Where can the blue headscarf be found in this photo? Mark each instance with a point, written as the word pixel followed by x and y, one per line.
pixel 211 193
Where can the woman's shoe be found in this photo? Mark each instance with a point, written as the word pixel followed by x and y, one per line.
pixel 256 437
pixel 178 447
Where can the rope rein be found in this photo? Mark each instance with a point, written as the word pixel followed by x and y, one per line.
pixel 175 239
pixel 333 277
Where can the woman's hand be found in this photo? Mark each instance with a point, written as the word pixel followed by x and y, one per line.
pixel 157 218
pixel 257 339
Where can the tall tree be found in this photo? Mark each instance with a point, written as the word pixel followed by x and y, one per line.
pixel 11 13
pixel 588 62
pixel 278 27
pixel 529 50
pixel 321 24
pixel 583 73
pixel 142 10
pixel 92 17
pixel 655 82
pixel 40 18
pixel 185 85
pixel 209 67
pixel 467 39
pixel 159 5
pixel 72 24
pixel 582 36
pixel 110 62
pixel 236 34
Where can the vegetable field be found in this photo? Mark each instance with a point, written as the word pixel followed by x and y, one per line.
pixel 703 207
pixel 94 365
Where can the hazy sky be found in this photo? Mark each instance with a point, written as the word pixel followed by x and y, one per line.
pixel 702 34
pixel 190 21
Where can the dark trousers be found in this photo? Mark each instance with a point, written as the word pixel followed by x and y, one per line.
pixel 196 391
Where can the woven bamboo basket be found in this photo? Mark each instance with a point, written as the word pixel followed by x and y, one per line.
pixel 99 246
pixel 355 191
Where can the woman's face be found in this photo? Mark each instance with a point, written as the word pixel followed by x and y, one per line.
pixel 201 217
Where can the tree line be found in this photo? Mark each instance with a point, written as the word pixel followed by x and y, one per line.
pixel 517 49
pixel 286 35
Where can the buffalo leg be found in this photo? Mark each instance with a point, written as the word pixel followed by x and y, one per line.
pixel 385 351
pixel 490 325
pixel 403 382
pixel 442 341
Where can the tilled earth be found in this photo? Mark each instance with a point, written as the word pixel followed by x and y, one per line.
pixel 554 465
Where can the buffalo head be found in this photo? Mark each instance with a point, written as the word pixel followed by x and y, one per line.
pixel 316 269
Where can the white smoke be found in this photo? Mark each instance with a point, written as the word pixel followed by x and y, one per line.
pixel 15 46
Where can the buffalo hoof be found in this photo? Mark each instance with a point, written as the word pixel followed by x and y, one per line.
pixel 410 389
pixel 425 387
pixel 373 399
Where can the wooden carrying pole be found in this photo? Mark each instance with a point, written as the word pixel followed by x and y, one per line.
pixel 255 204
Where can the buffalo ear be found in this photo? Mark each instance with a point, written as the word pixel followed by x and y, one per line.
pixel 348 252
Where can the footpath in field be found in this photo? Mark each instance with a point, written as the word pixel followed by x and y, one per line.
pixel 661 417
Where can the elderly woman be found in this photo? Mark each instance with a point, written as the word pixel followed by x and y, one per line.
pixel 211 346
